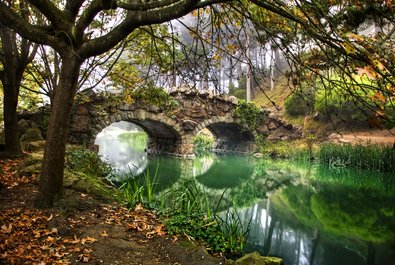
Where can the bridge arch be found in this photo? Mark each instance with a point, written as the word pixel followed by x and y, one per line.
pixel 230 135
pixel 164 134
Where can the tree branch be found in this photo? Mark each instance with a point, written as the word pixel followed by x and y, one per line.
pixel 11 19
pixel 73 6
pixel 51 12
pixel 133 20
pixel 87 16
pixel 141 6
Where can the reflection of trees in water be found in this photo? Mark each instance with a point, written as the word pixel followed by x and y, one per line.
pixel 346 225
pixel 227 172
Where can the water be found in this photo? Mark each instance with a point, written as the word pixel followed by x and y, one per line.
pixel 303 213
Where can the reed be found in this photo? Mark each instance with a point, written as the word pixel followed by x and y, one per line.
pixel 371 157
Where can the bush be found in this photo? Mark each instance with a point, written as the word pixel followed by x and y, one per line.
pixel 250 115
pixel 87 162
pixel 299 104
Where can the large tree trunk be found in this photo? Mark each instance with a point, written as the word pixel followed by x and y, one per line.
pixel 11 84
pixel 51 178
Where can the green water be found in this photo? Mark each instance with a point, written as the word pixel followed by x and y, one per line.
pixel 303 213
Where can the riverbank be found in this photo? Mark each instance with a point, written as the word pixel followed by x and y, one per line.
pixel 84 229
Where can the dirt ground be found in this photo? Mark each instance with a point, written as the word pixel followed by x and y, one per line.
pixel 84 230
pixel 384 137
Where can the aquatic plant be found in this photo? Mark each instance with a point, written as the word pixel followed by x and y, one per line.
pixel 190 213
pixel 139 189
pixel 203 144
pixel 372 157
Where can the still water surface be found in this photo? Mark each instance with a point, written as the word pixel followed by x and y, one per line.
pixel 303 213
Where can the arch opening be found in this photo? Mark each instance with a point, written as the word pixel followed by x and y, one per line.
pixel 232 137
pixel 123 145
pixel 162 137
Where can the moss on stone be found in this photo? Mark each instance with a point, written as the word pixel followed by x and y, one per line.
pixel 32 135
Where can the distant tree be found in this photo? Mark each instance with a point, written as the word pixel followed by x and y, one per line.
pixel 16 53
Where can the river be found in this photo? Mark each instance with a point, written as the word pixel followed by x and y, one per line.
pixel 301 212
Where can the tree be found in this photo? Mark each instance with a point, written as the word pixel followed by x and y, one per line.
pixel 15 54
pixel 68 28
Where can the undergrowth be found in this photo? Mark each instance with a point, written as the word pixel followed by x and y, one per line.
pixel 185 209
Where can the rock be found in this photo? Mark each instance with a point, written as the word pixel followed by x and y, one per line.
pixel 188 125
pixel 80 124
pixel 233 100
pixel 81 110
pixel 272 126
pixel 33 146
pixel 32 135
pixel 255 258
pixel 30 165
pixel 23 125
pixel 258 155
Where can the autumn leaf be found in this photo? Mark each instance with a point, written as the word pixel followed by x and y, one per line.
pixel 357 37
pixel 157 231
pixel 6 229
pixel 88 239
pixel 348 47
pixel 368 71
pixel 103 233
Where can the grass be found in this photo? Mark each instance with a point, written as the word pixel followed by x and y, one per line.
pixel 295 149
pixel 371 157
pixel 277 95
pixel 186 210
pixel 140 189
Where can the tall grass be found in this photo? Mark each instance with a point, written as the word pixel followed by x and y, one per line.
pixel 371 157
pixel 186 209
pixel 140 189
pixel 299 150
pixel 190 213
pixel 203 144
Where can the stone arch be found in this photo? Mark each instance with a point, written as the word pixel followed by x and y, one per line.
pixel 230 134
pixel 164 134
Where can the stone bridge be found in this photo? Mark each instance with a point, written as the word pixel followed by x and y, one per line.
pixel 169 131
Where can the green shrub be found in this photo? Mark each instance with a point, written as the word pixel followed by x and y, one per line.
pixel 250 115
pixel 87 162
pixel 300 103
pixel 138 139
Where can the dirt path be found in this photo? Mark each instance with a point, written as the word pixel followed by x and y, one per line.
pixel 84 230
pixel 385 137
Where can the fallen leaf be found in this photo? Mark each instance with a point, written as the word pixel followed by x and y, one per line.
pixel 103 233
pixel 88 239
pixel 50 217
pixel 6 229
